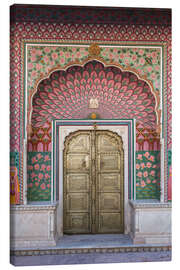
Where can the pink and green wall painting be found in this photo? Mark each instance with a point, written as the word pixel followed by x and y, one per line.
pixel 128 88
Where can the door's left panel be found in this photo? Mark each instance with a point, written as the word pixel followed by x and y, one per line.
pixel 77 191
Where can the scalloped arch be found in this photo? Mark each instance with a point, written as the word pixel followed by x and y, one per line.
pixel 121 93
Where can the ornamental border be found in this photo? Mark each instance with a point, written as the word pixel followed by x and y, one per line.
pixel 23 132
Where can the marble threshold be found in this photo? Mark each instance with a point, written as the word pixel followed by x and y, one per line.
pixel 94 243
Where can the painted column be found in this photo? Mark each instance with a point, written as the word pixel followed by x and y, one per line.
pixel 25 172
pixel 162 170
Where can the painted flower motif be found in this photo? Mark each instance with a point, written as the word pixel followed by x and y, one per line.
pixel 151 158
pixel 48 168
pixel 46 59
pixel 146 154
pixel 148 165
pixel 153 76
pixel 134 57
pixel 40 176
pixel 39 156
pixel 137 166
pixel 141 52
pixel 36 166
pixel 154 54
pixel 33 51
pixel 142 61
pixel 47 50
pixel 149 69
pixel 38 66
pixel 33 160
pixel 39 52
pixel 33 58
pixel 152 173
pixel 43 186
pixel 43 167
pixel 154 181
pixel 143 184
pixel 139 174
pixel 62 60
pixel 145 174
pixel 48 185
pixel 148 181
pixel 126 61
pixel 54 56
pixel 33 175
pixel 143 165
pixel 67 55
pixel 46 158
pixel 139 156
pixel 154 166
pixel 33 74
pixel 30 65
pixel 78 54
pixel 121 55
pixel 36 184
pixel 30 167
pixel 47 176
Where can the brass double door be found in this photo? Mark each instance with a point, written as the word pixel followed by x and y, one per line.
pixel 93 182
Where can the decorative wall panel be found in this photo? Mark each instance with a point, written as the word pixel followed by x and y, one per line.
pixel 148 175
pixel 134 42
pixel 39 176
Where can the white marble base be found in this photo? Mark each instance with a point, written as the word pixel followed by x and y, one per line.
pixel 150 222
pixel 33 225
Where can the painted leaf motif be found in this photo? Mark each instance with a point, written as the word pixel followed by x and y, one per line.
pixel 66 94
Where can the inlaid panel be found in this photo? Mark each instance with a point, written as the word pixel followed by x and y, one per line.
pixel 78 182
pixel 110 222
pixel 77 202
pixel 106 144
pixel 77 162
pixel 108 162
pixel 109 201
pixel 109 182
pixel 77 223
pixel 80 143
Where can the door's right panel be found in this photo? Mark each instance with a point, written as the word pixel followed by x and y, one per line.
pixel 109 156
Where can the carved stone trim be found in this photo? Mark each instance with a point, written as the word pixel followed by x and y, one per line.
pixel 149 204
pixel 56 251
pixel 35 207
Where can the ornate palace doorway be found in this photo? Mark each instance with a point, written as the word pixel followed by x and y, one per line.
pixel 93 182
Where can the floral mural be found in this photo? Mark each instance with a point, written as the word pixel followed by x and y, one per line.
pixel 38 47
pixel 39 176
pixel 148 175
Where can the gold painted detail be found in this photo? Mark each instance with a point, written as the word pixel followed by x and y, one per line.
pixel 93 182
pixel 94 50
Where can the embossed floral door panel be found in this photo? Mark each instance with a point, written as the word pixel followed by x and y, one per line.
pixel 93 182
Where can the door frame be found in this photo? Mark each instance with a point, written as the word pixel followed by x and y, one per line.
pixel 124 128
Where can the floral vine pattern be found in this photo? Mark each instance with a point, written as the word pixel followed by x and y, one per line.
pixel 147 175
pixel 39 176
pixel 42 59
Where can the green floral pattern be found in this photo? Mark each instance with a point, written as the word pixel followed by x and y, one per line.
pixel 147 175
pixel 39 176
pixel 42 59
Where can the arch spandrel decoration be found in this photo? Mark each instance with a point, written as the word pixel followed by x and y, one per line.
pixel 114 87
